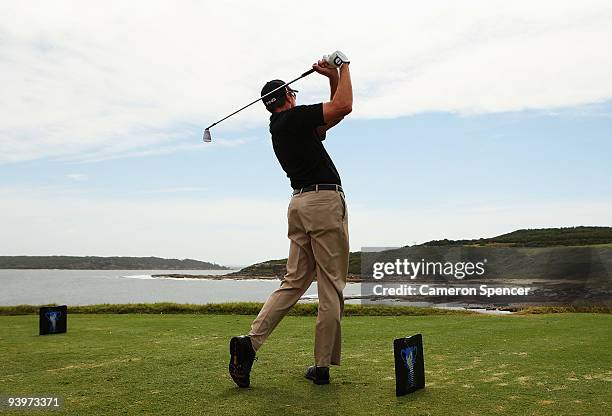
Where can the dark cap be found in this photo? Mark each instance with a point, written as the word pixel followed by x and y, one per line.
pixel 278 98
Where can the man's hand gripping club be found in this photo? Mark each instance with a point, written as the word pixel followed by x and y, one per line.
pixel 341 91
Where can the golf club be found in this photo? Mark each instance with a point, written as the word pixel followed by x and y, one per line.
pixel 207 138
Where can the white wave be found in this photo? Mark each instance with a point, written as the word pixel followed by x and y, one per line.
pixel 139 276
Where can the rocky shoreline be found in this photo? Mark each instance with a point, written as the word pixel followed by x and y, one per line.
pixel 238 276
pixel 229 276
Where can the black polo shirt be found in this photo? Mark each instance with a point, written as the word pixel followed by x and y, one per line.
pixel 299 148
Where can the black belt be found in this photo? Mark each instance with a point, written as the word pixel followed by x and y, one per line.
pixel 318 187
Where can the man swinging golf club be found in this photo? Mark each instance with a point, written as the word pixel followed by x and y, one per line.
pixel 317 217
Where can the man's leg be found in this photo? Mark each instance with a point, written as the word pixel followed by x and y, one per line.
pixel 328 331
pixel 330 246
pixel 300 274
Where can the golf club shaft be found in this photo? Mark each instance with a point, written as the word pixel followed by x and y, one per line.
pixel 310 71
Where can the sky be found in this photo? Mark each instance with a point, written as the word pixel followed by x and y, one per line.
pixel 470 119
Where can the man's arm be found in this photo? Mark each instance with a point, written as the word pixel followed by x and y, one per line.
pixel 333 86
pixel 322 130
pixel 342 102
pixel 334 77
pixel 341 95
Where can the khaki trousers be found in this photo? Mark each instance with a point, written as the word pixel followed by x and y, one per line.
pixel 318 230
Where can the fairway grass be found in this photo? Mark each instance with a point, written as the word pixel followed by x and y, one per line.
pixel 128 364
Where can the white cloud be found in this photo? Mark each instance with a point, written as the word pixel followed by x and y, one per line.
pixel 219 230
pixel 43 221
pixel 79 177
pixel 93 80
pixel 189 189
pixel 125 150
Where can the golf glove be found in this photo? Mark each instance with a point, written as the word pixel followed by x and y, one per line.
pixel 336 59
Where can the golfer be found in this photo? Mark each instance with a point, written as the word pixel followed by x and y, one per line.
pixel 317 217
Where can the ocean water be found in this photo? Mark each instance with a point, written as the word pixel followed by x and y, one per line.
pixel 87 287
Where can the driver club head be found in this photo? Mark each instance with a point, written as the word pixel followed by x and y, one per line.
pixel 207 138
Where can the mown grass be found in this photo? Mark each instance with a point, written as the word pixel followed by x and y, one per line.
pixel 238 308
pixel 531 310
pixel 176 364
pixel 300 309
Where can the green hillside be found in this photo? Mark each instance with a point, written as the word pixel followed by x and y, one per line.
pixel 104 263
pixel 543 237
pixel 277 268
